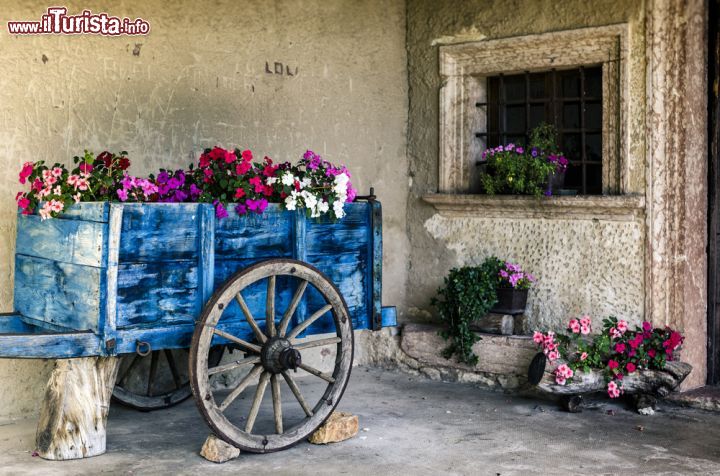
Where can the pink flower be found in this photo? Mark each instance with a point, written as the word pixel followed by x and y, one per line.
pixel 630 367
pixel 76 197
pixel 613 364
pixel 564 371
pixel 585 321
pixel 57 171
pixel 647 327
pixel 257 183
pixel 620 348
pixel 538 337
pixel 614 333
pixel 242 168
pixel 553 355
pixel 585 330
pixel 549 337
pixel 23 202
pixel 574 326
pixel 26 171
pixel 86 168
pixel 560 380
pixel 122 194
pixel 613 390
pixel 622 326
pixel 583 356
pixel 246 155
pixel 56 206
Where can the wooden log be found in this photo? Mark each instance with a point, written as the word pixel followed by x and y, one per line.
pixel 74 412
pixel 653 382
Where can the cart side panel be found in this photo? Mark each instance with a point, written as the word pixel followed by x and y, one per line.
pixel 243 240
pixel 60 269
pixel 159 280
pixel 341 250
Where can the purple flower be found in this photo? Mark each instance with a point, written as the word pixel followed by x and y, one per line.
pixel 122 194
pixel 194 192
pixel 240 209
pixel 534 152
pixel 220 211
pixel 257 206
pixel 520 150
pixel 163 177
pixel 351 193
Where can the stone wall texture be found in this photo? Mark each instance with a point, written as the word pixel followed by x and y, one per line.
pixel 584 265
pixel 199 80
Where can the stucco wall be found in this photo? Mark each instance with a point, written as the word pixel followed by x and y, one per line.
pixel 198 80
pixel 584 265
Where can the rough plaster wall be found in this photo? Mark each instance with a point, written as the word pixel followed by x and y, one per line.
pixel 565 254
pixel 198 80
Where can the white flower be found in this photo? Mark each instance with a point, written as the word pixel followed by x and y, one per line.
pixel 271 180
pixel 291 202
pixel 288 179
pixel 310 199
pixel 323 206
pixel 342 179
pixel 305 182
pixel 338 209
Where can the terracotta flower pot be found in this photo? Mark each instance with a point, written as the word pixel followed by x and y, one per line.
pixel 510 301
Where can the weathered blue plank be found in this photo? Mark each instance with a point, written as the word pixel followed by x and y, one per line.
pixel 68 241
pixel 350 234
pixel 49 346
pixel 206 259
pixel 254 236
pixel 160 337
pixel 375 319
pixel 160 232
pixel 88 211
pixel 156 294
pixel 63 294
pixel 13 323
pixel 389 316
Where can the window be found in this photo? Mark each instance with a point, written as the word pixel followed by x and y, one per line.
pixel 571 100
pixel 495 91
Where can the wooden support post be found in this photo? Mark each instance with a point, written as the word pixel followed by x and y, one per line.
pixel 74 412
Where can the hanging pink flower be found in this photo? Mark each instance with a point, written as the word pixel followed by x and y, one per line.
pixel 622 326
pixel 574 326
pixel 583 356
pixel 538 337
pixel 613 390
pixel 26 171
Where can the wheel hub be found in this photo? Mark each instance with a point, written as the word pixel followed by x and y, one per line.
pixel 279 355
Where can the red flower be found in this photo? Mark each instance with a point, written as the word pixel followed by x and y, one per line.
pixel 240 193
pixel 123 163
pixel 106 158
pixel 619 376
pixel 217 153
pixel 230 157
pixel 269 170
pixel 630 367
pixel 257 183
pixel 23 203
pixel 612 364
pixel 267 191
pixel 204 160
pixel 37 185
pixel 297 186
pixel 636 341
pixel 651 353
pixel 246 155
pixel 86 168
pixel 26 171
pixel 620 348
pixel 242 168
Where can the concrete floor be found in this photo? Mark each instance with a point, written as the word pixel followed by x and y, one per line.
pixel 415 427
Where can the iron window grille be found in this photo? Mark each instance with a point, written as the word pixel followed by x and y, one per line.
pixel 569 99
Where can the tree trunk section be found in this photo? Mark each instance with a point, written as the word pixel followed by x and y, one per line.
pixel 74 412
pixel 652 382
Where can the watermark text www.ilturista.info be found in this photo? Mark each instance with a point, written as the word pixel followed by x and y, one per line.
pixel 57 22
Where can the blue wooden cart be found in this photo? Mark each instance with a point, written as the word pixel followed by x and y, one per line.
pixel 243 299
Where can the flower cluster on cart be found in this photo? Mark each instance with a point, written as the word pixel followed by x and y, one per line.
pixel 618 350
pixel 220 177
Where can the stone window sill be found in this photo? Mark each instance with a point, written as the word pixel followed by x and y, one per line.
pixel 616 207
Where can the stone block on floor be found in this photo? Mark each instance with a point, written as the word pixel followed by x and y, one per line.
pixel 218 451
pixel 340 426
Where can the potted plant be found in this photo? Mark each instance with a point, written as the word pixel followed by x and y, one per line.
pixel 539 169
pixel 512 289
pixel 468 294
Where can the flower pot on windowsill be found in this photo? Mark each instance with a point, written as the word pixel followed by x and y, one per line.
pixel 556 180
pixel 510 301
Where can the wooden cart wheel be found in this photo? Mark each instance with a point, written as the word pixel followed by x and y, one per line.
pixel 157 380
pixel 273 356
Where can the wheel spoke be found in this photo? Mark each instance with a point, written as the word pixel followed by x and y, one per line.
pixel 282 328
pixel 270 307
pixel 173 368
pixel 317 373
pixel 259 393
pixel 241 386
pixel 296 391
pixel 307 322
pixel 153 371
pixel 249 318
pixel 232 365
pixel 277 403
pixel 237 340
pixel 124 375
pixel 318 343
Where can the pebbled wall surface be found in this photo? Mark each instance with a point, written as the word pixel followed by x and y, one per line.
pixel 199 79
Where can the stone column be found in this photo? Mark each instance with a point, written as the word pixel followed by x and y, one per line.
pixel 677 192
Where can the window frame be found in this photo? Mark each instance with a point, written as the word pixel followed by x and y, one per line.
pixel 465 67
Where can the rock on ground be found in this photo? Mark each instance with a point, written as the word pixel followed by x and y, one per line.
pixel 218 451
pixel 340 426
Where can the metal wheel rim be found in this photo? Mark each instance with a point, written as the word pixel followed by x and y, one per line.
pixel 204 331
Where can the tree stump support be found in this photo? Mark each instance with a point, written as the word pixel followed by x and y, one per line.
pixel 74 412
